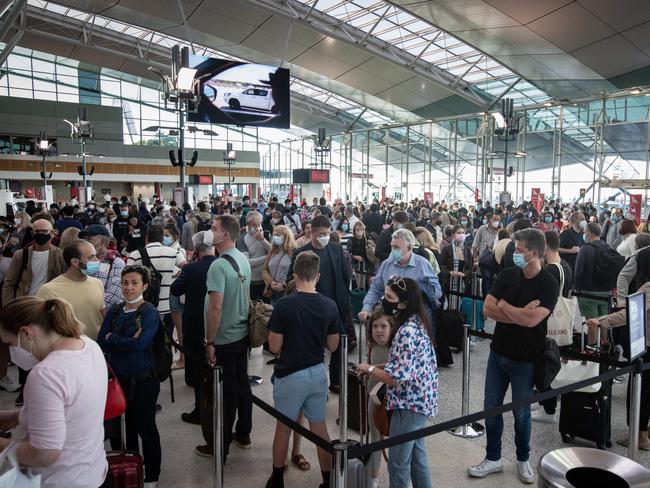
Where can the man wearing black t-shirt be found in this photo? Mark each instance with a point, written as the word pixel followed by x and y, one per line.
pixel 301 327
pixel 520 301
pixel 571 239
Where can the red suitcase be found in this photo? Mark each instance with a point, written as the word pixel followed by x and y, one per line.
pixel 125 468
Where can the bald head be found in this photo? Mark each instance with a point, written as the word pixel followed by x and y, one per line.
pixel 42 225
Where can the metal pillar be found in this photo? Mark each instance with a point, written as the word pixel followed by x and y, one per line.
pixel 181 147
pixel 341 447
pixel 635 410
pixel 217 423
pixel 559 155
pixel 408 161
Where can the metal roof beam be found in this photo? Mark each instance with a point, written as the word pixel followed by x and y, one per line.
pixel 329 26
pixel 9 22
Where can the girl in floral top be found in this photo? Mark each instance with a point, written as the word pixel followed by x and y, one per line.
pixel 411 376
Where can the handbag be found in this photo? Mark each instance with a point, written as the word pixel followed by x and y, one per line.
pixel 15 477
pixel 548 365
pixel 574 371
pixel 268 292
pixel 560 322
pixel 115 399
pixel 380 415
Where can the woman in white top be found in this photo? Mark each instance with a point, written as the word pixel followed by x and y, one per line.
pixel 171 236
pixel 628 231
pixel 65 394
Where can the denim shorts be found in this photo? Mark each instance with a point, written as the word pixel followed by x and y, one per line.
pixel 175 304
pixel 304 390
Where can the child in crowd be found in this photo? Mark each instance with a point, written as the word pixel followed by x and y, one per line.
pixel 380 329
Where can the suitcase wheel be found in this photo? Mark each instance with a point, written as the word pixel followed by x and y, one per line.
pixel 566 438
pixel 608 444
pixel 600 446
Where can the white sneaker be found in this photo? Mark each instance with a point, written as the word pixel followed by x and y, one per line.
pixel 485 468
pixel 543 417
pixel 535 406
pixel 525 472
pixel 8 385
pixel 374 483
pixel 151 484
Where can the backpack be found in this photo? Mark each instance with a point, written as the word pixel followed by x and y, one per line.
pixel 607 265
pixel 160 350
pixel 259 313
pixel 203 224
pixel 488 261
pixel 152 293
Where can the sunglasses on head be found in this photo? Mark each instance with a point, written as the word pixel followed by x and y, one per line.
pixel 399 281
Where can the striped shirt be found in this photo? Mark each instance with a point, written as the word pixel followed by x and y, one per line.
pixel 164 259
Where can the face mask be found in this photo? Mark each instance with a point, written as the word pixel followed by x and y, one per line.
pixel 323 241
pixel 124 213
pixel 548 219
pixel 519 260
pixel 583 224
pixel 136 300
pixel 484 221
pixel 21 358
pixel 168 241
pixel 345 227
pixel 91 268
pixel 463 222
pixel 495 224
pixel 102 210
pixel 396 255
pixel 18 221
pixel 398 226
pixel 390 308
pixel 460 237
pixel 615 218
pixel 42 239
pixel 278 240
pixel 439 222
pixel 274 221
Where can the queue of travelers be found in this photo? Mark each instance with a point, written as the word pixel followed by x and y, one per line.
pixel 86 288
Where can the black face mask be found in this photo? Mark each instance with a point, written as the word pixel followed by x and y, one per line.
pixel 390 308
pixel 42 239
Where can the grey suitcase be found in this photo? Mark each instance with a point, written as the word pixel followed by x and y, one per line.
pixel 358 474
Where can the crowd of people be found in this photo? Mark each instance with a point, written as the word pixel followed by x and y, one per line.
pixel 84 282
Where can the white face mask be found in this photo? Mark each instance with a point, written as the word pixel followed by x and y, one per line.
pixel 21 358
pixel 323 241
pixel 135 300
pixel 208 238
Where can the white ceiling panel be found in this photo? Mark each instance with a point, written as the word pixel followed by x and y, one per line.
pixel 165 9
pixel 640 37
pixel 89 55
pixel 566 67
pixel 478 12
pixel 426 89
pixel 33 41
pixel 613 56
pixel 525 40
pixel 386 70
pixel 619 15
pixel 369 82
pixel 227 27
pixel 404 98
pixel 300 35
pixel 240 11
pixel 437 15
pixel 325 65
pixel 274 44
pixel 488 43
pixel 341 50
pixel 525 11
pixel 571 27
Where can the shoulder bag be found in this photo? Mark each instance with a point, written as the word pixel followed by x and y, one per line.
pixel 560 322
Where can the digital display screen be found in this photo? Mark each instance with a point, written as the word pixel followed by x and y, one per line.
pixel 320 176
pixel 205 179
pixel 636 320
pixel 239 93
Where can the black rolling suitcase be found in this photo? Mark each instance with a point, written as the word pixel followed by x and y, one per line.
pixel 357 411
pixel 588 416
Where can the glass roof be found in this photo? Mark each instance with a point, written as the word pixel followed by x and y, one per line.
pixel 319 95
pixel 398 27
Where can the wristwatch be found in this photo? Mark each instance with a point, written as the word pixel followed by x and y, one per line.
pixel 370 369
pixel 206 343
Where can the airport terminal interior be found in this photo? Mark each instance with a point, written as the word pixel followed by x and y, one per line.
pixel 420 157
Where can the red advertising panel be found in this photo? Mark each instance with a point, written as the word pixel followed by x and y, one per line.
pixel 428 197
pixel 635 208
pixel 319 176
pixel 205 179
pixel 540 202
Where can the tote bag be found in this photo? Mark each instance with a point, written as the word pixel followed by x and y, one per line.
pixel 574 371
pixel 12 476
pixel 560 322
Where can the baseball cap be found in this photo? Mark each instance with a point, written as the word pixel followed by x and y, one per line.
pixel 94 230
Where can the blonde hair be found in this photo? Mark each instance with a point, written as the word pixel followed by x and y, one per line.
pixel 25 218
pixel 289 242
pixel 425 238
pixel 69 235
pixel 359 224
pixel 53 315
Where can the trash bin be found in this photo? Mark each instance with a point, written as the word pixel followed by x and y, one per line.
pixel 356 300
pixel 583 467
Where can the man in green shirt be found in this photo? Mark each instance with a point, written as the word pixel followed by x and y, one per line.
pixel 226 334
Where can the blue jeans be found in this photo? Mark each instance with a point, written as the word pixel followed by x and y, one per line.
pixel 409 459
pixel 500 373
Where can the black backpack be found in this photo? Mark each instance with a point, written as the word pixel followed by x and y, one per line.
pixel 203 224
pixel 607 265
pixel 152 293
pixel 160 350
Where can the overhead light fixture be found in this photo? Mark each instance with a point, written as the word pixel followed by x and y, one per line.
pixel 153 128
pixel 43 144
pixel 229 155
pixel 185 79
pixel 548 104
pixel 635 91
pixel 499 120
pixel 521 154
pixel 209 132
pixel 491 154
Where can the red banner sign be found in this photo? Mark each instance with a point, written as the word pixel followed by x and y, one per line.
pixel 428 197
pixel 635 208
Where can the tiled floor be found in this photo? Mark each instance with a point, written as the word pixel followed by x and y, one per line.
pixel 448 456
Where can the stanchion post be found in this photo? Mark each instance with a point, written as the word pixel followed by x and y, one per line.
pixel 474 429
pixel 343 393
pixel 217 422
pixel 635 410
pixel 341 465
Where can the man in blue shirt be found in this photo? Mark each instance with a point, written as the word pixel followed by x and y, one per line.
pixel 404 263
pixel 67 220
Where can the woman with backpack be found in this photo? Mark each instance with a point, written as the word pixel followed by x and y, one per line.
pixel 126 336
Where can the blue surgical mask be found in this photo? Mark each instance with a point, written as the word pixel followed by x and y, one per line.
pixel 519 260
pixel 124 213
pixel 91 268
pixel 396 255
pixel 484 221
pixel 615 218
pixel 548 219
pixel 278 240
pixel 345 227
pixel 168 240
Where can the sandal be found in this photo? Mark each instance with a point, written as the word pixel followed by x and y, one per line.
pixel 300 461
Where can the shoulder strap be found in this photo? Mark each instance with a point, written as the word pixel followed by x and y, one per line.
pixel 561 270
pixel 23 265
pixel 234 265
pixel 146 260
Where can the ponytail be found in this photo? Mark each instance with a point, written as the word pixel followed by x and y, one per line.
pixel 53 315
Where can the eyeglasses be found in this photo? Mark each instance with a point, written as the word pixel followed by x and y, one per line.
pixel 399 281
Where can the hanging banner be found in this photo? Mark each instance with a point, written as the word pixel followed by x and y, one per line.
pixel 635 208
pixel 328 193
pixel 475 195
pixel 428 197
pixel 290 197
pixel 534 195
pixel 540 203
pixel 383 195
